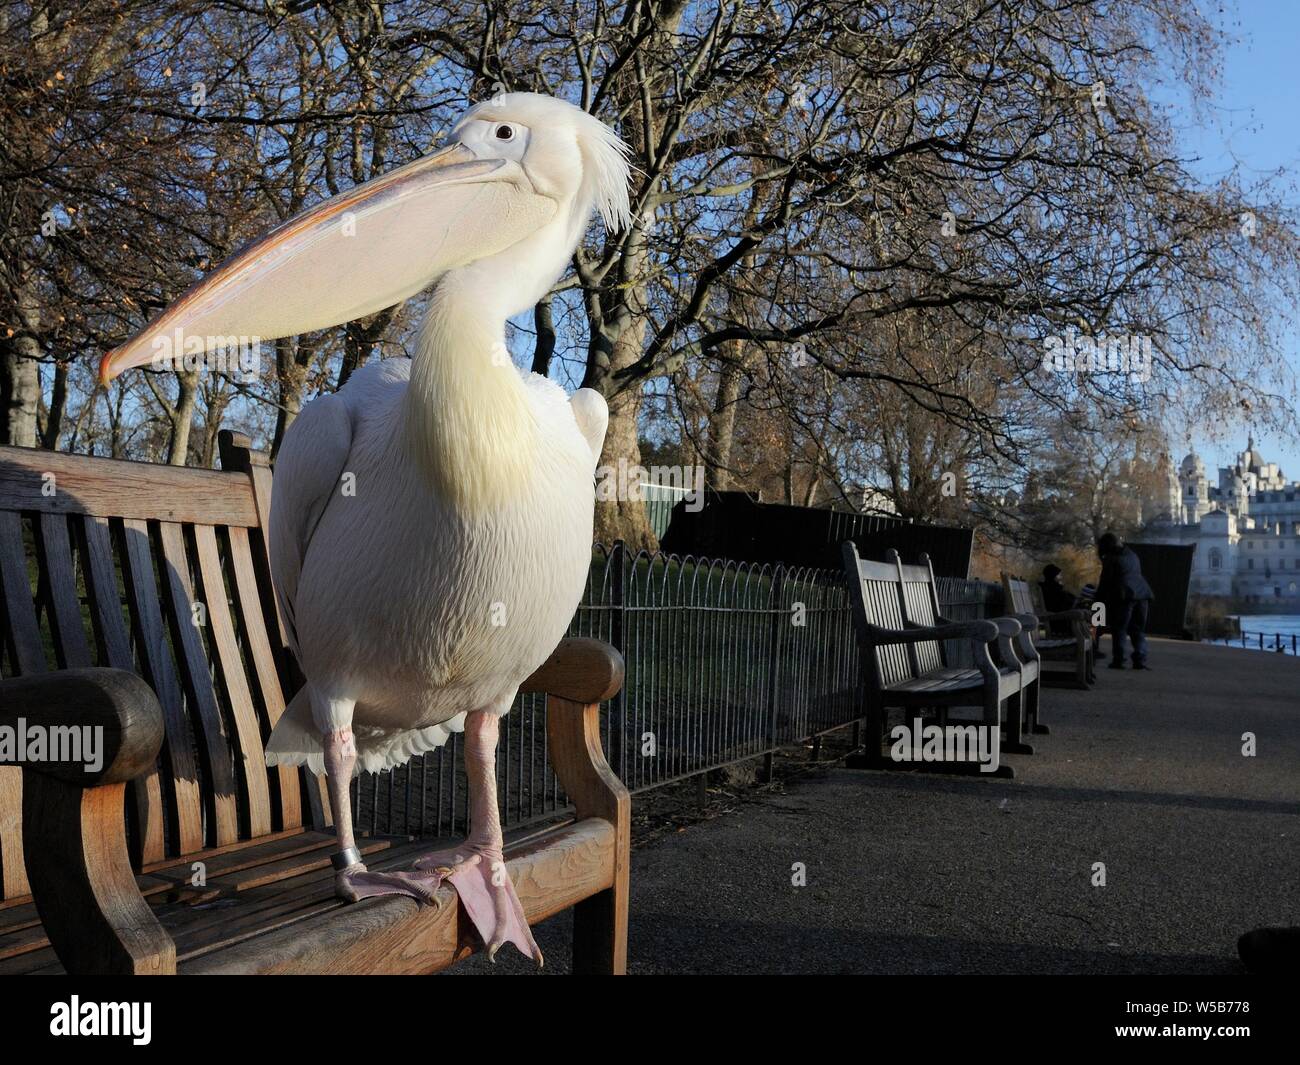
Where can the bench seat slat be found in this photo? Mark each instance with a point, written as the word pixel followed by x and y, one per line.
pixel 942 681
pixel 262 863
pixel 287 919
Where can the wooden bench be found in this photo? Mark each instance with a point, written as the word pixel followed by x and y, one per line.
pixel 921 607
pixel 1024 602
pixel 183 852
pixel 904 664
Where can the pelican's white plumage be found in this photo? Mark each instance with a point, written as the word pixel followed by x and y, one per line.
pixel 418 610
pixel 430 527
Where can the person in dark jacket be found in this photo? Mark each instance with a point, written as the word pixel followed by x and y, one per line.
pixel 1127 597
pixel 1056 597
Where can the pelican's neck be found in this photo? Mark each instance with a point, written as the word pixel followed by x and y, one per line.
pixel 468 424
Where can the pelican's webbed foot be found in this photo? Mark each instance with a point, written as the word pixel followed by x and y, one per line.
pixel 481 879
pixel 357 882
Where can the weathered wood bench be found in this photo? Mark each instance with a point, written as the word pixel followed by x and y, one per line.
pixel 183 852
pixel 921 607
pixel 1024 602
pixel 904 665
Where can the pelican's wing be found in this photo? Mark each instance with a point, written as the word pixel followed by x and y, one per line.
pixel 307 474
pixel 591 412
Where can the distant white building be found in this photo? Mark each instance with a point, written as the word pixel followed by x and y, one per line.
pixel 1246 528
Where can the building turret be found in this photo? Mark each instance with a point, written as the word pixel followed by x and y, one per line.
pixel 1194 490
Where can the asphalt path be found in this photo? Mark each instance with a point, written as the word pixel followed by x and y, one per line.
pixel 906 872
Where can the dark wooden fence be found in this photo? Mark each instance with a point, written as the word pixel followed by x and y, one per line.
pixel 1168 569
pixel 735 525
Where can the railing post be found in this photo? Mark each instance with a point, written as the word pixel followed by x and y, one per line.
pixel 773 670
pixel 618 637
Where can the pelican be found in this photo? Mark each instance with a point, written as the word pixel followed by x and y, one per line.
pixel 431 522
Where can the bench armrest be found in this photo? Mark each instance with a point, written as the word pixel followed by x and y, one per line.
pixel 1014 647
pixel 1007 626
pixel 1076 614
pixel 109 728
pixel 1025 648
pixel 120 711
pixel 982 631
pixel 580 674
pixel 580 670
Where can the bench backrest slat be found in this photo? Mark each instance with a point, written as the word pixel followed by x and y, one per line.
pixel 230 670
pixel 156 665
pixel 921 608
pixel 22 643
pixel 1019 595
pixel 54 552
pixel 265 676
pixel 161 571
pixel 196 680
pixel 877 604
pixel 113 645
pixel 22 633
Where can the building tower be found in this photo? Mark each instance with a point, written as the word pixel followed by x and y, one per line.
pixel 1194 490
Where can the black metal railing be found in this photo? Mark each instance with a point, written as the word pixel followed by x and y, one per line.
pixel 1278 642
pixel 725 662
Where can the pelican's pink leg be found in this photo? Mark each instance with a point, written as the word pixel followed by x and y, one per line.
pixel 352 881
pixel 477 869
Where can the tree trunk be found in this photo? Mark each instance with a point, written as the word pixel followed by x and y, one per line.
pixel 722 419
pixel 292 379
pixel 545 325
pixel 623 518
pixel 20 375
pixel 216 411
pixel 183 418
pixel 20 392
pixel 58 407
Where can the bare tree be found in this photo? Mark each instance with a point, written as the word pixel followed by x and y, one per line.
pixel 916 197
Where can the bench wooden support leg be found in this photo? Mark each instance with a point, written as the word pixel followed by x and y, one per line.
pixel 74 819
pixel 870 757
pixel 599 943
pixel 85 891
pixel 1035 706
pixel 600 922
pixel 1016 710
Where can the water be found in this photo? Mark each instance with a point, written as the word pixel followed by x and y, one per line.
pixel 1271 625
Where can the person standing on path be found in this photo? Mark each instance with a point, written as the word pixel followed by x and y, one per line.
pixel 1127 598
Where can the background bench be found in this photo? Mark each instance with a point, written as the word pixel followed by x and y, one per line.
pixel 1014 648
pixel 1024 601
pixel 137 598
pixel 903 662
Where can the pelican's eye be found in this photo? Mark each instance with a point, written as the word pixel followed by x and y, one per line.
pixel 505 133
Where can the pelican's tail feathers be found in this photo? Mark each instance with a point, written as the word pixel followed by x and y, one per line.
pixel 296 740
pixel 377 751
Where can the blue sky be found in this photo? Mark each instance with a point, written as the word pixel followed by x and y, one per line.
pixel 1254 123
